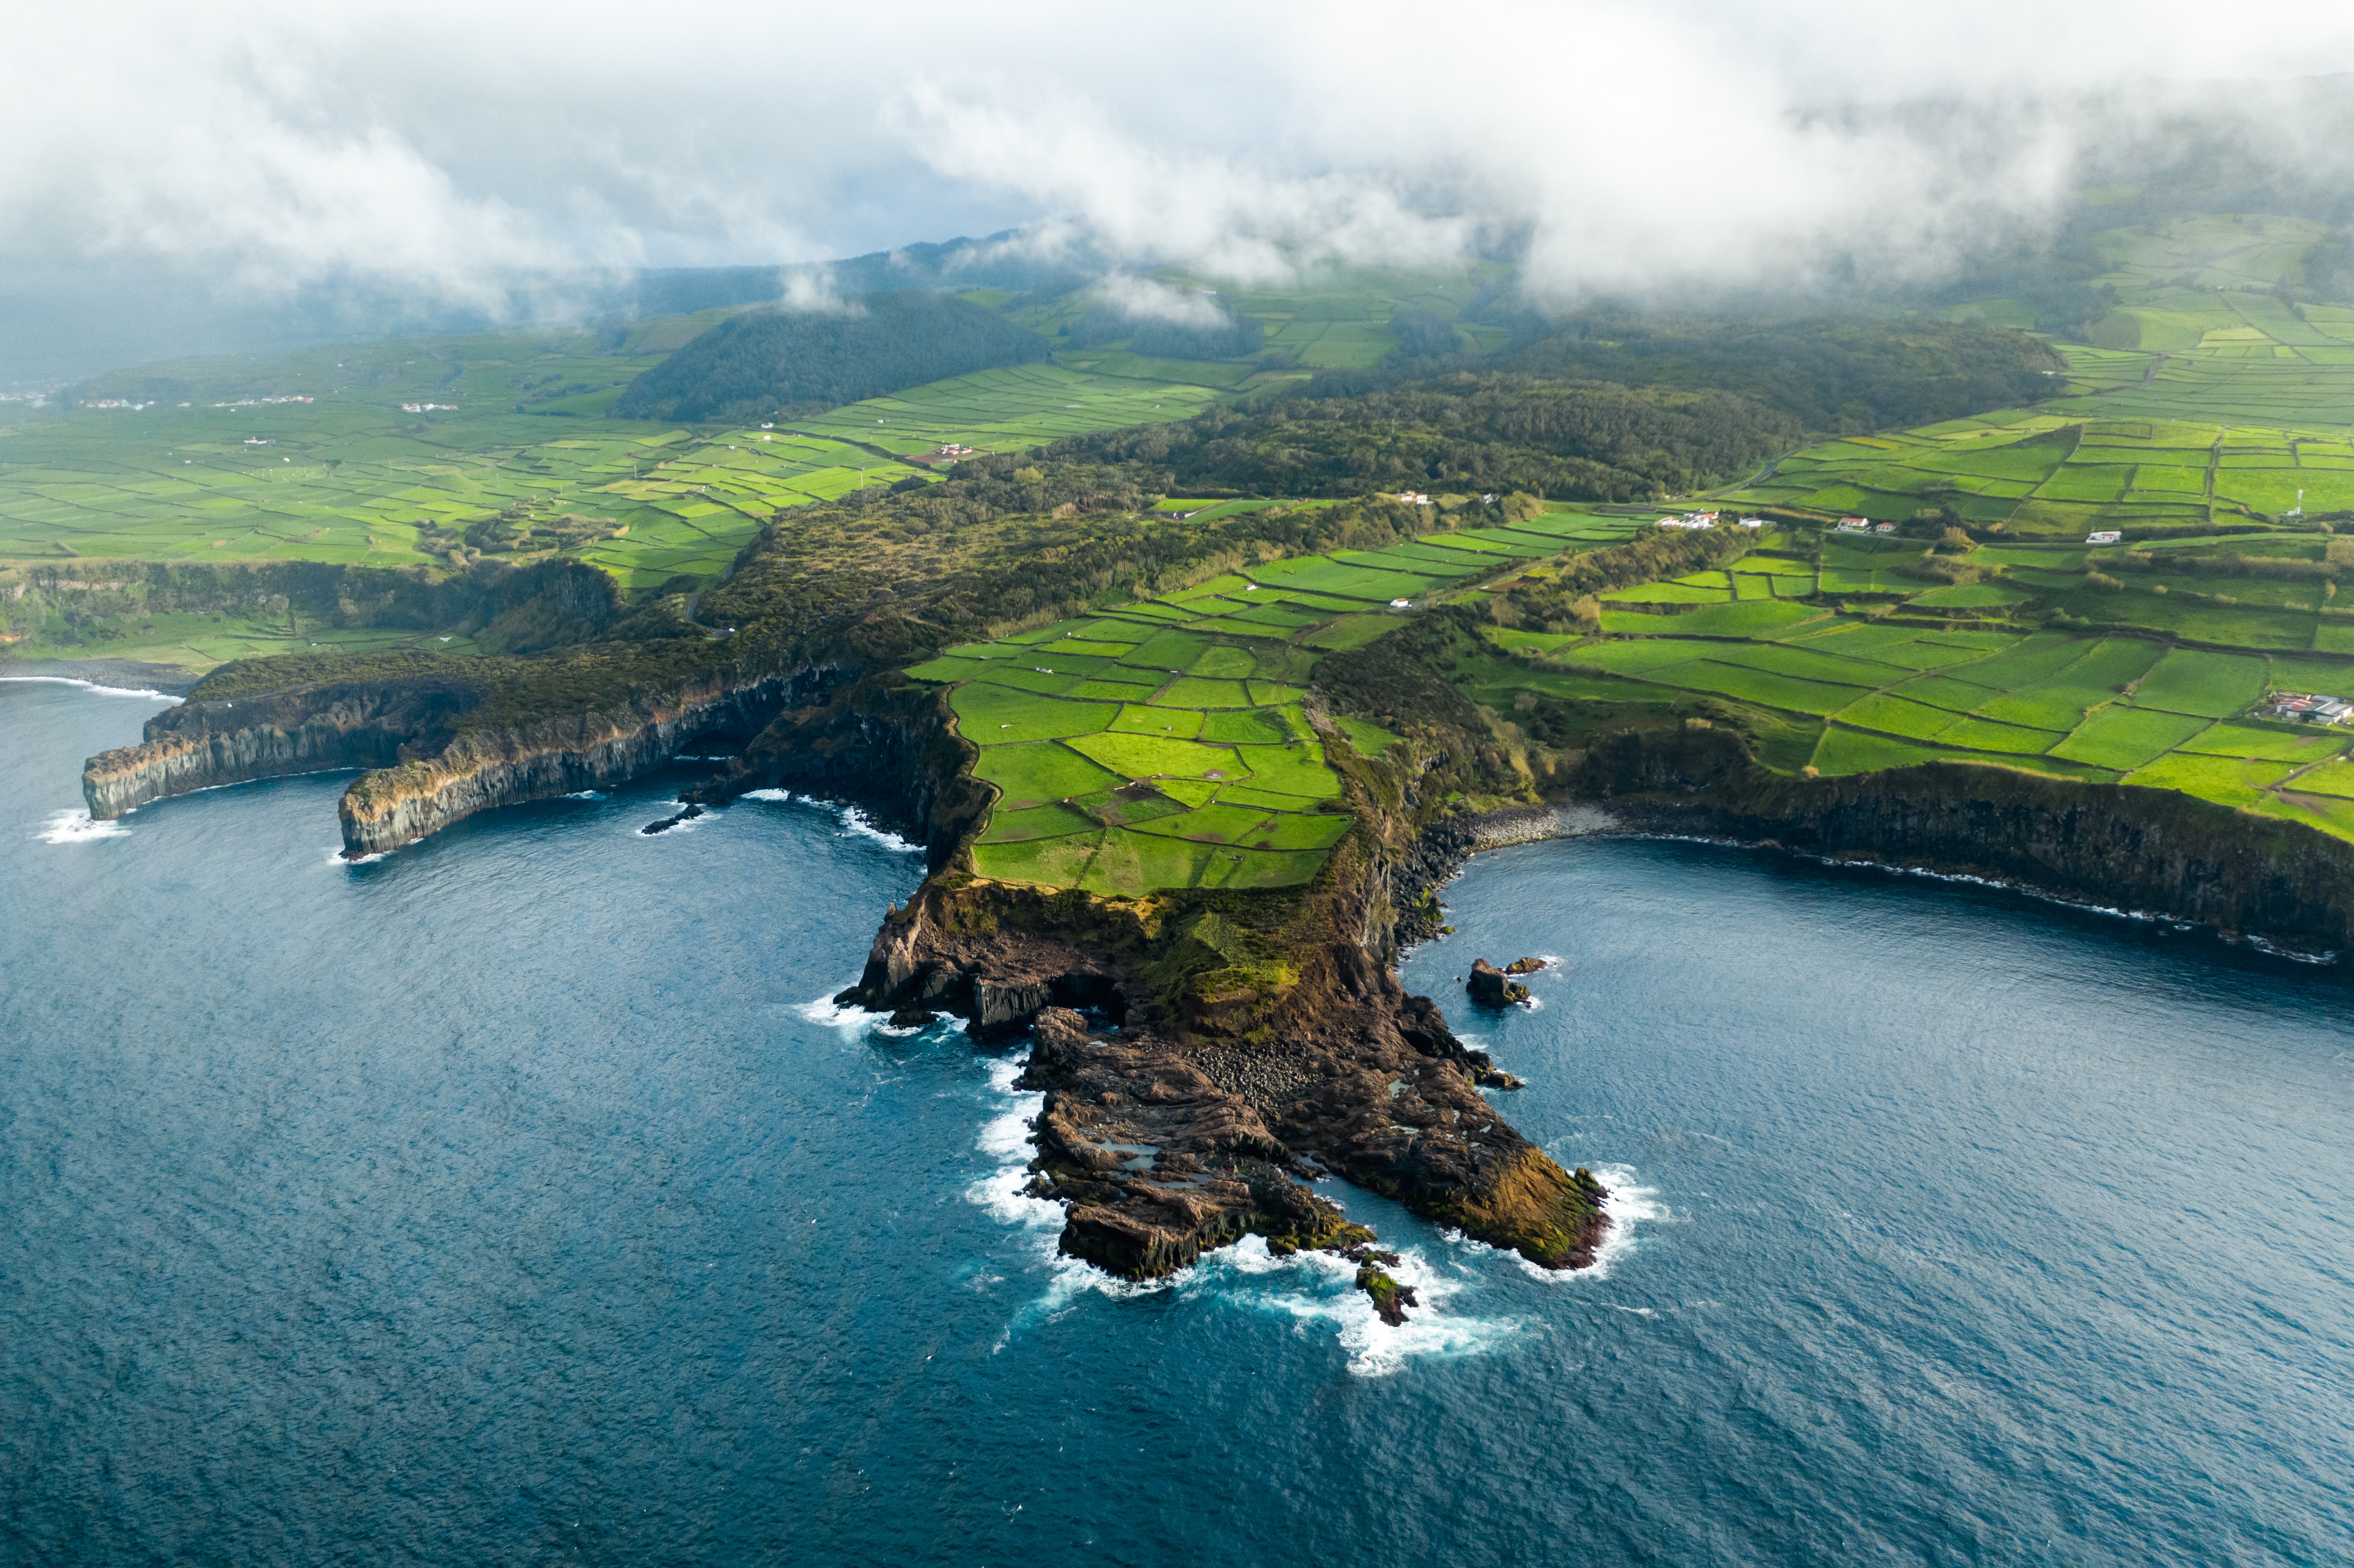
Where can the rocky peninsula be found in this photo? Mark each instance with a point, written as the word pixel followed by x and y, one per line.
pixel 1207 1055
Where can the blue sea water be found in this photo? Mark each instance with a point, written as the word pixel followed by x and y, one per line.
pixel 516 1197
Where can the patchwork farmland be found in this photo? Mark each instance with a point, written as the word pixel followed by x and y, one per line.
pixel 2038 474
pixel 1163 745
pixel 312 459
pixel 1008 409
pixel 2139 664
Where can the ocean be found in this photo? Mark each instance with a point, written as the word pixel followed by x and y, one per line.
pixel 519 1197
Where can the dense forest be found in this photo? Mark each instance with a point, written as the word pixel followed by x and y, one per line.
pixel 1843 376
pixel 755 365
pixel 1422 336
pixel 1463 431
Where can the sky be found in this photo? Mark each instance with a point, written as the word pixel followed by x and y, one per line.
pixel 169 160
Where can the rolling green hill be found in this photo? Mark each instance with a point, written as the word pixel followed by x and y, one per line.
pixel 756 364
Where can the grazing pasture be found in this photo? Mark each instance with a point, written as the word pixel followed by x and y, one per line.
pixel 2013 679
pixel 1008 409
pixel 388 454
pixel 1207 773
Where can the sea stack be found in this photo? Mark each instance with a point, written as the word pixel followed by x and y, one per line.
pixel 1491 987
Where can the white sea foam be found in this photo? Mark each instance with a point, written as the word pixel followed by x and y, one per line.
pixel 824 1011
pixel 1318 1289
pixel 1005 1138
pixel 854 821
pixel 585 795
pixel 1315 1290
pixel 710 813
pixel 1628 1205
pixel 2294 955
pixel 78 826
pixel 335 857
pixel 94 686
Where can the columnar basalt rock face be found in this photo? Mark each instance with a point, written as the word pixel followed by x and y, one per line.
pixel 198 745
pixel 2108 845
pixel 426 770
pixel 482 769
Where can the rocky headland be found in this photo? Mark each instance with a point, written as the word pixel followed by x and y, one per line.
pixel 1206 1056
pixel 1180 1117
pixel 425 765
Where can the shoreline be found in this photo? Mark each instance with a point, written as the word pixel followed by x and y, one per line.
pixel 130 677
pixel 1517 825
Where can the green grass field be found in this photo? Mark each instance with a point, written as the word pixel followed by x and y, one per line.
pixel 382 454
pixel 2203 399
pixel 1206 773
pixel 2081 705
pixel 1007 410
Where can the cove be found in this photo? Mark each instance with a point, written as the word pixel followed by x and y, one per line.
pixel 514 1196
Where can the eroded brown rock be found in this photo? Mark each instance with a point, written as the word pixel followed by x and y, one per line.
pixel 1169 1138
pixel 1491 987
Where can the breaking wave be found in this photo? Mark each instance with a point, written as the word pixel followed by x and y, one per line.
pixel 77 826
pixel 94 686
pixel 854 821
pixel 824 1011
pixel 1315 1291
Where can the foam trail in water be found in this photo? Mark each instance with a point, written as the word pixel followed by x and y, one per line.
pixel 585 795
pixel 78 826
pixel 1006 1138
pixel 94 686
pixel 780 796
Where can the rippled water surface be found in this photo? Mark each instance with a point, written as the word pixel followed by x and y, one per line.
pixel 516 1197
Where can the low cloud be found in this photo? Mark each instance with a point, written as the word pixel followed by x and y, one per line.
pixel 260 148
pixel 811 292
pixel 1142 299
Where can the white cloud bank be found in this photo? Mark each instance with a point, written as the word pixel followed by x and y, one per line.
pixel 443 150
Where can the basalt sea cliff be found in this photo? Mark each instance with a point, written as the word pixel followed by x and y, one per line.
pixel 1206 1055
pixel 426 768
pixel 2112 845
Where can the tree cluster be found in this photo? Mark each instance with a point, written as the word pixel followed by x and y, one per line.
pixel 762 362
pixel 1463 431
pixel 1845 375
pixel 1016 538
